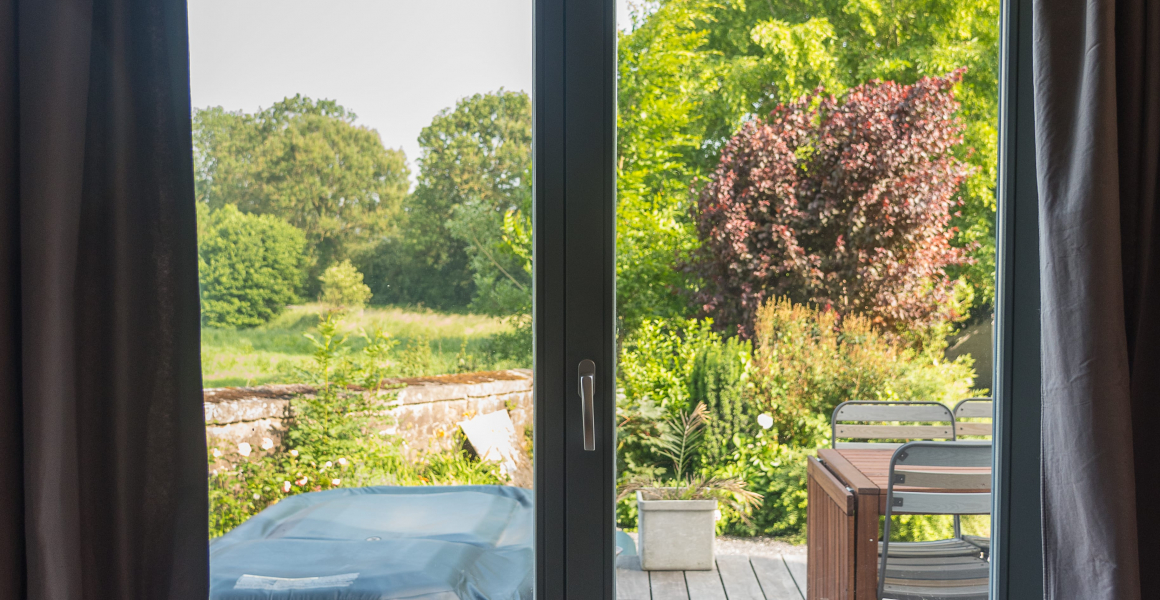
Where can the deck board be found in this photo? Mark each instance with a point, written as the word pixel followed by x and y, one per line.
pixel 668 585
pixel 705 585
pixel 773 575
pixel 797 567
pixel 631 582
pixel 738 577
pixel 733 578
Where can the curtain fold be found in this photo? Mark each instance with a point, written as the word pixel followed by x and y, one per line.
pixel 1097 103
pixel 102 447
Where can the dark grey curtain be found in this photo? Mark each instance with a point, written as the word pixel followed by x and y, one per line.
pixel 102 447
pixel 1097 103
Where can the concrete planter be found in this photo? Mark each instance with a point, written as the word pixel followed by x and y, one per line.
pixel 676 535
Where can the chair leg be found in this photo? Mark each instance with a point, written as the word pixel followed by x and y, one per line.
pixel 885 544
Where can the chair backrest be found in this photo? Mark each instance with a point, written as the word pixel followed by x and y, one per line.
pixel 869 420
pixel 973 408
pixel 954 478
pixel 951 473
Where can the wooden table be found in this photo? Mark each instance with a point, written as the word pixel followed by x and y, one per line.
pixel 847 495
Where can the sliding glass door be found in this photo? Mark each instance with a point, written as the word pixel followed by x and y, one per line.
pixel 398 321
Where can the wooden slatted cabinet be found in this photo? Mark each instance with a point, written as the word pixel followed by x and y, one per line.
pixel 830 537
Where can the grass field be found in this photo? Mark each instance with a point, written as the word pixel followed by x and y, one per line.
pixel 274 353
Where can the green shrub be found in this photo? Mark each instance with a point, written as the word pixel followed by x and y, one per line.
pixel 416 358
pixel 775 471
pixel 343 287
pixel 657 359
pixel 769 407
pixel 654 371
pixel 808 362
pixel 721 378
pixel 249 266
pixel 515 344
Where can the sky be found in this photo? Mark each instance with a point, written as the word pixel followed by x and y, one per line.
pixel 395 63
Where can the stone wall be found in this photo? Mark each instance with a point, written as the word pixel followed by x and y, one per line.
pixel 424 411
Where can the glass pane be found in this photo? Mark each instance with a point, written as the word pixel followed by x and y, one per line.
pixel 805 218
pixel 363 175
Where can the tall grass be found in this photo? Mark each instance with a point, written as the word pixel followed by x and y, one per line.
pixel 429 343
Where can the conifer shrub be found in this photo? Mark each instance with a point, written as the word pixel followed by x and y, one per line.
pixel 343 287
pixel 722 379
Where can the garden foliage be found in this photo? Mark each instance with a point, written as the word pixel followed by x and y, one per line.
pixel 343 287
pixel 662 80
pixel 778 473
pixel 808 361
pixel 336 437
pixel 769 407
pixel 658 358
pixel 249 266
pixel 842 203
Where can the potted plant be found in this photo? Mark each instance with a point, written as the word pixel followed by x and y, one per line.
pixel 676 518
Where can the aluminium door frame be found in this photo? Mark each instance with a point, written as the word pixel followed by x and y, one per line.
pixel 1016 525
pixel 574 295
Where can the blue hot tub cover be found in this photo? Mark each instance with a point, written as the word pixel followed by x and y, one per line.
pixel 456 542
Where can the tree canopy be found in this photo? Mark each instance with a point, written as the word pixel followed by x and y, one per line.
pixel 307 162
pixel 692 72
pixel 474 169
pixel 843 204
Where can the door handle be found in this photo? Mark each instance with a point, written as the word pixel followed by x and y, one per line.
pixel 587 385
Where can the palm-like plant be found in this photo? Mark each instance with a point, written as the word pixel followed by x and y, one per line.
pixel 682 436
pixel 679 443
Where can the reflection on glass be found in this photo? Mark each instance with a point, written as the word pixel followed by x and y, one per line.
pixel 805 218
pixel 363 177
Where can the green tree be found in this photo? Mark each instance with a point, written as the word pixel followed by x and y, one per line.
pixel 474 169
pixel 695 70
pixel 307 162
pixel 662 86
pixel 774 52
pixel 249 266
pixel 343 287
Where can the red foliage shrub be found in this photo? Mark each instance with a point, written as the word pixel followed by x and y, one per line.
pixel 841 203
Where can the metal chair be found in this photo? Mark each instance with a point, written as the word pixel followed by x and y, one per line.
pixel 924 573
pixel 849 421
pixel 973 408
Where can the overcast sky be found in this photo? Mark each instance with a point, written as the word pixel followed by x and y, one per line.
pixel 395 63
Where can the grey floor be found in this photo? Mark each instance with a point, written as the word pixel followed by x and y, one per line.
pixel 735 578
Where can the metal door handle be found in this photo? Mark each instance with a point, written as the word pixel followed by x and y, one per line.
pixel 587 373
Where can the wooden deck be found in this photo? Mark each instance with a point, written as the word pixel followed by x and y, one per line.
pixel 735 578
